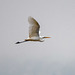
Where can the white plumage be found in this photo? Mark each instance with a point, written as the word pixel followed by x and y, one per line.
pixel 33 31
pixel 33 28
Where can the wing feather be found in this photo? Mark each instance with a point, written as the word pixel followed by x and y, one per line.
pixel 33 28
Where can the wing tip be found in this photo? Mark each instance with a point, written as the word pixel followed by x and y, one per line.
pixel 30 17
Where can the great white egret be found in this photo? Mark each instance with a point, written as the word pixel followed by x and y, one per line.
pixel 33 31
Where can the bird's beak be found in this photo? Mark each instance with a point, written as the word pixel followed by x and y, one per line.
pixel 47 37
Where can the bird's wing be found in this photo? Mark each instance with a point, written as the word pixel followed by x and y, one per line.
pixel 33 28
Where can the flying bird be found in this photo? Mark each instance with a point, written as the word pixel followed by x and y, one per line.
pixel 33 31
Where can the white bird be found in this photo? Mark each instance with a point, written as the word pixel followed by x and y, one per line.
pixel 33 31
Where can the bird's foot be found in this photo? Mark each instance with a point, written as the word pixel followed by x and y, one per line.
pixel 17 42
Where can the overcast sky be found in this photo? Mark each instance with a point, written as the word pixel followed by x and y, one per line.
pixel 54 56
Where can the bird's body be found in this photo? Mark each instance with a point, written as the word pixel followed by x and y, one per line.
pixel 33 31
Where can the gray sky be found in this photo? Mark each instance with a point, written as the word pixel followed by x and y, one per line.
pixel 55 56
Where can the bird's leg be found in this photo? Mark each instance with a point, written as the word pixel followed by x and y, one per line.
pixel 20 42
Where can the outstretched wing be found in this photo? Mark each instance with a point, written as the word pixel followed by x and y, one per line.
pixel 33 28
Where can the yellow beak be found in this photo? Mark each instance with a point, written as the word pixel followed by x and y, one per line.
pixel 47 37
